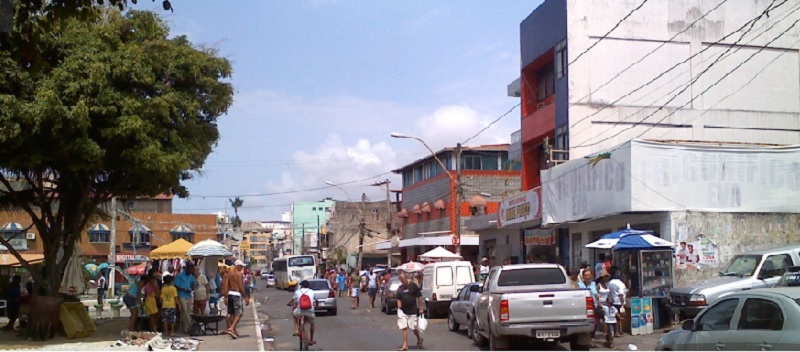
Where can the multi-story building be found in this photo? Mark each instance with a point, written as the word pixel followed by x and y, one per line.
pixel 134 238
pixel 343 231
pixel 595 77
pixel 429 204
pixel 307 221
pixel 255 244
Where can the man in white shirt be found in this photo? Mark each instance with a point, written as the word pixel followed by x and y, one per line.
pixel 372 286
pixel 307 313
pixel 484 268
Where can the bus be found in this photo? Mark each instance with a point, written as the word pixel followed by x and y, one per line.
pixel 290 270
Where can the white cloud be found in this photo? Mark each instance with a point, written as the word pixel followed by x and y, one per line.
pixel 452 124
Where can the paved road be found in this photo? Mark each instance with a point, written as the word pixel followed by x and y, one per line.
pixel 361 329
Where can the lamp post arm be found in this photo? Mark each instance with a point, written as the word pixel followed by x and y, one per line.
pixel 444 167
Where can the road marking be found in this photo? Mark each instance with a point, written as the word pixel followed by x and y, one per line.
pixel 259 338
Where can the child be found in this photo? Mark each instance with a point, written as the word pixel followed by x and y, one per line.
pixel 611 315
pixel 169 313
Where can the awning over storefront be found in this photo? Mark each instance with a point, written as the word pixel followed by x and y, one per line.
pixel 100 229
pixel 469 240
pixel 11 260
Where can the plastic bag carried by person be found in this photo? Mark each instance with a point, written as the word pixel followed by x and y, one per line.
pixel 422 323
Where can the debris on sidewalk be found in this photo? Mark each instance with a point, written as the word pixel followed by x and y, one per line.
pixel 180 344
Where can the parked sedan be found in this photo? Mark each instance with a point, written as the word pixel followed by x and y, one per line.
pixel 462 308
pixel 760 319
pixel 389 295
pixel 325 294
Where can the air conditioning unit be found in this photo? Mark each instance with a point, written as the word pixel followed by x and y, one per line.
pixel 30 236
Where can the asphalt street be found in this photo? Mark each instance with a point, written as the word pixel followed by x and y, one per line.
pixel 361 329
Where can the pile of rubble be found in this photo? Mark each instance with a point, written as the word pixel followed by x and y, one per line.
pixel 153 341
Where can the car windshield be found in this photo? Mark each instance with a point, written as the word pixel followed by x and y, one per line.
pixel 318 285
pixel 742 265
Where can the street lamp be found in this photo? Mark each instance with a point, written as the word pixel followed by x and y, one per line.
pixel 454 179
pixel 362 222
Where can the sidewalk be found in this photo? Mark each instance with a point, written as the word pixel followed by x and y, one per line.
pixel 249 339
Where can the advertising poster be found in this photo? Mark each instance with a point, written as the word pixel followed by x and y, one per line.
pixel 636 316
pixel 698 252
pixel 647 315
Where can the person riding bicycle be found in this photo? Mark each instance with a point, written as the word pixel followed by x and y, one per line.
pixel 304 303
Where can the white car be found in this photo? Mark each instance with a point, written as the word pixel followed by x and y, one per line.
pixel 752 320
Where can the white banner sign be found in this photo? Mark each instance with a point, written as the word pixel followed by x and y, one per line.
pixel 648 176
pixel 523 207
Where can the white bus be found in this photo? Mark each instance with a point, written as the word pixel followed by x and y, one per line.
pixel 290 270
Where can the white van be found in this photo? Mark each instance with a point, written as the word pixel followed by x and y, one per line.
pixel 441 282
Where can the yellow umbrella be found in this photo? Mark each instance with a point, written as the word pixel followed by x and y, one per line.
pixel 173 250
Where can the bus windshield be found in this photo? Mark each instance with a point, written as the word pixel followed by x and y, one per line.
pixel 301 261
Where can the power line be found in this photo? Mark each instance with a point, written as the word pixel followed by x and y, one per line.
pixel 699 64
pixel 650 53
pixel 491 123
pixel 748 23
pixel 694 80
pixel 292 191
pixel 703 92
pixel 609 32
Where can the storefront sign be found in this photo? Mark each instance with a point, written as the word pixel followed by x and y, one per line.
pixel 19 244
pixel 540 237
pixel 642 176
pixel 523 207
pixel 121 258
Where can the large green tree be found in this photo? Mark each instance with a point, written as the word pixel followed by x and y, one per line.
pixel 99 105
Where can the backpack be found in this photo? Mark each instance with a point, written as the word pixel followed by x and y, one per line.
pixel 305 302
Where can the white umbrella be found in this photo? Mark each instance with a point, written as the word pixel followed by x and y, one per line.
pixel 72 281
pixel 208 248
pixel 439 253
pixel 411 267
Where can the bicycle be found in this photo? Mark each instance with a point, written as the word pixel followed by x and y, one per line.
pixel 304 342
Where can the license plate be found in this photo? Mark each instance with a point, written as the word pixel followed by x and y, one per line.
pixel 548 334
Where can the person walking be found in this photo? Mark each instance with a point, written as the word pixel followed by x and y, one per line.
pixel 151 291
pixel 409 306
pixel 202 289
pixel 341 281
pixel 185 282
pixel 233 293
pixel 617 293
pixel 102 288
pixel 588 284
pixel 354 286
pixel 372 287
pixel 133 300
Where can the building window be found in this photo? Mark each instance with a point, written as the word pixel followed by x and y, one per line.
pixel 562 143
pixel 426 171
pixel 546 83
pixel 561 59
pixel 186 236
pixel 99 237
pixel 142 238
pixel 328 209
pixel 418 174
pixel 472 162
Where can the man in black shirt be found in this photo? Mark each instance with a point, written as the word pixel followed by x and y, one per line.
pixel 409 305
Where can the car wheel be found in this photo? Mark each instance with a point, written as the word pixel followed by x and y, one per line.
pixel 451 322
pixel 476 335
pixel 469 328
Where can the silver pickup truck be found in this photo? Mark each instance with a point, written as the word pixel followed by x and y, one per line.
pixel 532 301
pixel 758 269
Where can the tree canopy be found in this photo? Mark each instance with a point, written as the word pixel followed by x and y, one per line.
pixel 100 105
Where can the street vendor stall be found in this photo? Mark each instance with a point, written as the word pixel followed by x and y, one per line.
pixel 174 250
pixel 646 265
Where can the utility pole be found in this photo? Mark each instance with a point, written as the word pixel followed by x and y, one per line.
pixel 457 236
pixel 112 248
pixel 303 239
pixel 362 229
pixel 388 217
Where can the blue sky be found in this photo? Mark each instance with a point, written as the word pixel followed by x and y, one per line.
pixel 321 84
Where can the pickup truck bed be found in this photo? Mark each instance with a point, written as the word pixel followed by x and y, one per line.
pixel 533 301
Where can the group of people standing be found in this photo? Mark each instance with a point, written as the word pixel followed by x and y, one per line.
pixel 608 292
pixel 355 283
pixel 172 298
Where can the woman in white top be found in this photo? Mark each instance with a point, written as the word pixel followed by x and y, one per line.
pixel 618 290
pixel 602 292
pixel 201 292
